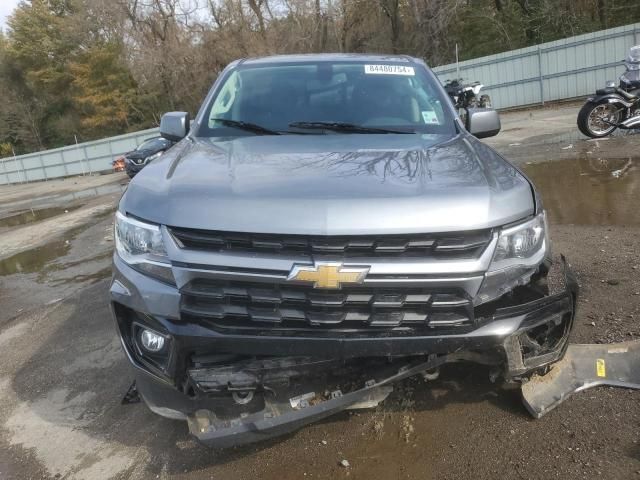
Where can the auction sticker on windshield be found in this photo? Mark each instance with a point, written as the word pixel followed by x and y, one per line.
pixel 389 70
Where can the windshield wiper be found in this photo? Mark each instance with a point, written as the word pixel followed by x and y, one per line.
pixel 248 126
pixel 344 127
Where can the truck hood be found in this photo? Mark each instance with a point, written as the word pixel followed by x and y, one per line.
pixel 332 184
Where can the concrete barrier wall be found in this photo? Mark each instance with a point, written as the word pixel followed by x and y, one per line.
pixel 83 158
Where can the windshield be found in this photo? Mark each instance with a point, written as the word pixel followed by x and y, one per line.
pixel 393 96
pixel 153 144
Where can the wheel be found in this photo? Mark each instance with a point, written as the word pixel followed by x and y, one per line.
pixel 598 120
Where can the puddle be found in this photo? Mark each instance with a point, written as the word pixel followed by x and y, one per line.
pixel 589 190
pixel 42 259
pixel 32 215
pixel 572 137
pixel 34 260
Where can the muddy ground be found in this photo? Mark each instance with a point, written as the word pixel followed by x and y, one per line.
pixel 62 373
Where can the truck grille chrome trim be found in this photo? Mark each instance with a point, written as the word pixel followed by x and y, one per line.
pixel 442 245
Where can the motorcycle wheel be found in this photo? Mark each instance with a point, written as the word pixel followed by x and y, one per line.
pixel 597 120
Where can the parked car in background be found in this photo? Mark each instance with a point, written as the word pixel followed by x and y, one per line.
pixel 149 150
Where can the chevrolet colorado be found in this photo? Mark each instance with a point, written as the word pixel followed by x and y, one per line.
pixel 324 227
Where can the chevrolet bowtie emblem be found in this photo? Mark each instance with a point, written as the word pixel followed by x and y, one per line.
pixel 327 274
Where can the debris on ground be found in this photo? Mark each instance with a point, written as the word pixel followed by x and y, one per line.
pixel 407 427
pixel 378 427
pixel 131 396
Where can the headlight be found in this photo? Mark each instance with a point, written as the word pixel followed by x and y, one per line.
pixel 519 252
pixel 152 157
pixel 140 245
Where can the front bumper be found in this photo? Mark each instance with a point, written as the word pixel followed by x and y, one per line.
pixel 518 337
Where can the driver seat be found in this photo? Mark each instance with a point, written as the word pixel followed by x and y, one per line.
pixel 383 97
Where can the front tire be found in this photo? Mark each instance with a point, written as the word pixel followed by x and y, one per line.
pixel 599 119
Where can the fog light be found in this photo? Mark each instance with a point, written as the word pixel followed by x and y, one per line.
pixel 151 341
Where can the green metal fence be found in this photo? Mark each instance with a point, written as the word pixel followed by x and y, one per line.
pixel 568 68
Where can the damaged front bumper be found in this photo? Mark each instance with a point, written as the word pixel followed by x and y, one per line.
pixel 248 388
pixel 283 413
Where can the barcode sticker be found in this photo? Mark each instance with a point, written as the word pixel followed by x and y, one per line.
pixel 389 70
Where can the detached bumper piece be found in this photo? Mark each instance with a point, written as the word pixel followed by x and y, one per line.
pixel 291 408
pixel 583 367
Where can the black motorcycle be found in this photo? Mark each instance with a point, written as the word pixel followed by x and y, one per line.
pixel 615 106
pixel 466 96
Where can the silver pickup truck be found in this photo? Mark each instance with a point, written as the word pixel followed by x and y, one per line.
pixel 324 227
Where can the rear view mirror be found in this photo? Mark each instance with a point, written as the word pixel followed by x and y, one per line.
pixel 174 126
pixel 483 122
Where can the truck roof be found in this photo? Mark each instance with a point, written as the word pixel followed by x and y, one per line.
pixel 328 57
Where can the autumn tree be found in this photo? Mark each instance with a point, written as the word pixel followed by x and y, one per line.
pixel 103 90
pixel 92 68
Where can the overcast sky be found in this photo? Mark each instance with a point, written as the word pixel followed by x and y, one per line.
pixel 6 7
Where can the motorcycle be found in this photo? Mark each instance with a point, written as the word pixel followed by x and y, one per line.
pixel 615 106
pixel 465 96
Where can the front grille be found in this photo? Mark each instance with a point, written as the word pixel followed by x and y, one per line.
pixel 458 245
pixel 277 308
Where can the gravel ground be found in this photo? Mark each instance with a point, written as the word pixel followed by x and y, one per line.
pixel 62 374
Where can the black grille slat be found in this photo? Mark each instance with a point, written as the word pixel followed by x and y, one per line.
pixel 391 319
pixel 326 318
pixel 391 246
pixel 273 244
pixel 396 300
pixel 320 300
pixel 458 245
pixel 448 301
pixel 281 307
pixel 446 319
pixel 263 296
pixel 462 243
pixel 214 311
pixel 424 243
pixel 264 315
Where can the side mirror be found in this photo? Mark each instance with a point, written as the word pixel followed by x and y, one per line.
pixel 174 126
pixel 483 122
